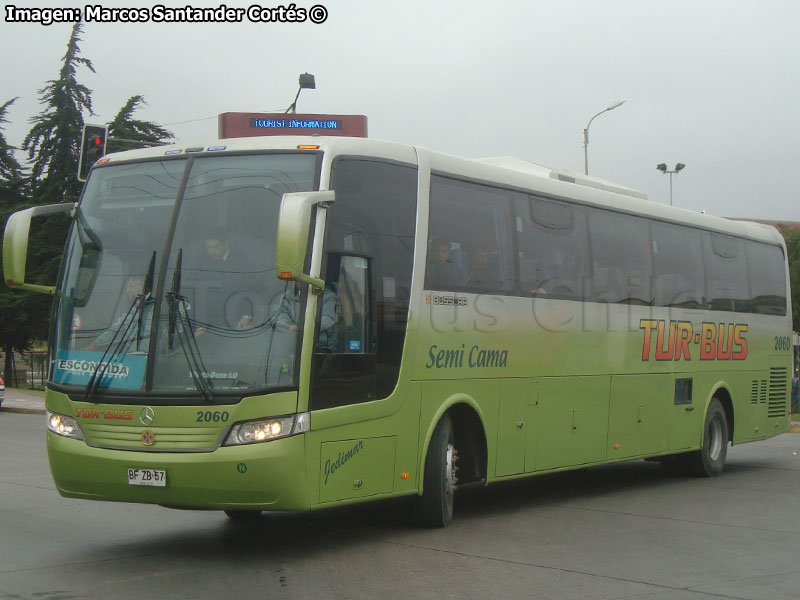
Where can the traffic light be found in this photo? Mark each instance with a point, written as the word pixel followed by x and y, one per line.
pixel 93 146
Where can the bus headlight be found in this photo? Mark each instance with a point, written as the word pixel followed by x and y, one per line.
pixel 265 430
pixel 63 426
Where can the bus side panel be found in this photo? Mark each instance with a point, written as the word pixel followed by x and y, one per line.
pixel 639 423
pixel 571 421
pixel 365 457
pixel 512 427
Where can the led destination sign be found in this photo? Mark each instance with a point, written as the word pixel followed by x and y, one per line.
pixel 236 125
pixel 296 123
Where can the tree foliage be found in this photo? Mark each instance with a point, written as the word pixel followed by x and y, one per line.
pixel 10 169
pixel 19 311
pixel 124 126
pixel 53 143
pixel 53 149
pixel 792 237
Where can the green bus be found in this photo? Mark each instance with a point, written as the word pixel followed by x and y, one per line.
pixel 295 323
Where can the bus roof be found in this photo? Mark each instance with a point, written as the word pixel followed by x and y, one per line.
pixel 505 171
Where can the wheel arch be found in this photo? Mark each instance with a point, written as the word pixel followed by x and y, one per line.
pixel 469 429
pixel 721 391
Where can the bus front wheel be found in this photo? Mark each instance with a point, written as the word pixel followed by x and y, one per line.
pixel 435 507
pixel 710 459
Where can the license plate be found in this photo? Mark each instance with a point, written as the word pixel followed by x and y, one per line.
pixel 148 477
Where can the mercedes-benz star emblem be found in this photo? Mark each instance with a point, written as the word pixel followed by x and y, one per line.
pixel 147 416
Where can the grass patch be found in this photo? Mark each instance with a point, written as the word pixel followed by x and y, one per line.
pixel 40 391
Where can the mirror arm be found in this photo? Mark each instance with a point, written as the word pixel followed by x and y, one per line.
pixel 317 284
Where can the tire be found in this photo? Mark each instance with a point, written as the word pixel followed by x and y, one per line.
pixel 710 459
pixel 434 508
pixel 243 515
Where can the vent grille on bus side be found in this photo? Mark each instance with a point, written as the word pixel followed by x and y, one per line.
pixel 758 391
pixel 778 386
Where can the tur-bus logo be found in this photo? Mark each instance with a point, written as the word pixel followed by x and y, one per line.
pixel 674 341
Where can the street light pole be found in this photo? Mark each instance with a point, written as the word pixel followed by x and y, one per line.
pixel 611 106
pixel 663 168
pixel 306 82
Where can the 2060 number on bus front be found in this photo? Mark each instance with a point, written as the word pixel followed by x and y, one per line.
pixel 148 477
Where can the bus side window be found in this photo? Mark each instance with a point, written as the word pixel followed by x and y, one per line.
pixel 621 253
pixel 469 238
pixel 726 273
pixel 765 265
pixel 678 266
pixel 553 252
pixel 344 314
pixel 367 261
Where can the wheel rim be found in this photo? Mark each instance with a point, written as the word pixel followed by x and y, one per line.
pixel 451 458
pixel 715 439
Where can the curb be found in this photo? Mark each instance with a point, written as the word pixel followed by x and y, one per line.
pixel 22 411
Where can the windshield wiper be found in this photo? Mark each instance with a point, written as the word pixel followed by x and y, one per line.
pixel 147 293
pixel 138 304
pixel 180 323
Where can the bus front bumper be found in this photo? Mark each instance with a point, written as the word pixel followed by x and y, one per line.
pixel 265 476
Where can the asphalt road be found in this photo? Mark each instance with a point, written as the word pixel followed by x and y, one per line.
pixel 624 531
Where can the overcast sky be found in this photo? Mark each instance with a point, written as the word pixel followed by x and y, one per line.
pixel 712 84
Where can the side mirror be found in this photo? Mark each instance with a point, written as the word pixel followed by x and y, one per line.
pixel 15 246
pixel 291 245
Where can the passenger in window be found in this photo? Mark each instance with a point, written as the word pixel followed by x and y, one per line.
pixel 441 270
pixel 482 274
pixel 350 311
pixel 552 275
pixel 287 316
pixel 234 278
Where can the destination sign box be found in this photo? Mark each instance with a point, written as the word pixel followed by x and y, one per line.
pixel 235 125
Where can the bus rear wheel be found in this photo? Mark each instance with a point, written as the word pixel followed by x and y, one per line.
pixel 435 507
pixel 710 459
pixel 243 515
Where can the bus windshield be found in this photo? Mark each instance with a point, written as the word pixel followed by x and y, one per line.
pixel 169 285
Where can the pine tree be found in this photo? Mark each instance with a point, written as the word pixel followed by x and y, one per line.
pixel 10 169
pixel 53 146
pixel 53 143
pixel 16 326
pixel 124 126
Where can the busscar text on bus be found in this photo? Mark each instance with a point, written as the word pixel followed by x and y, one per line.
pixel 274 322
